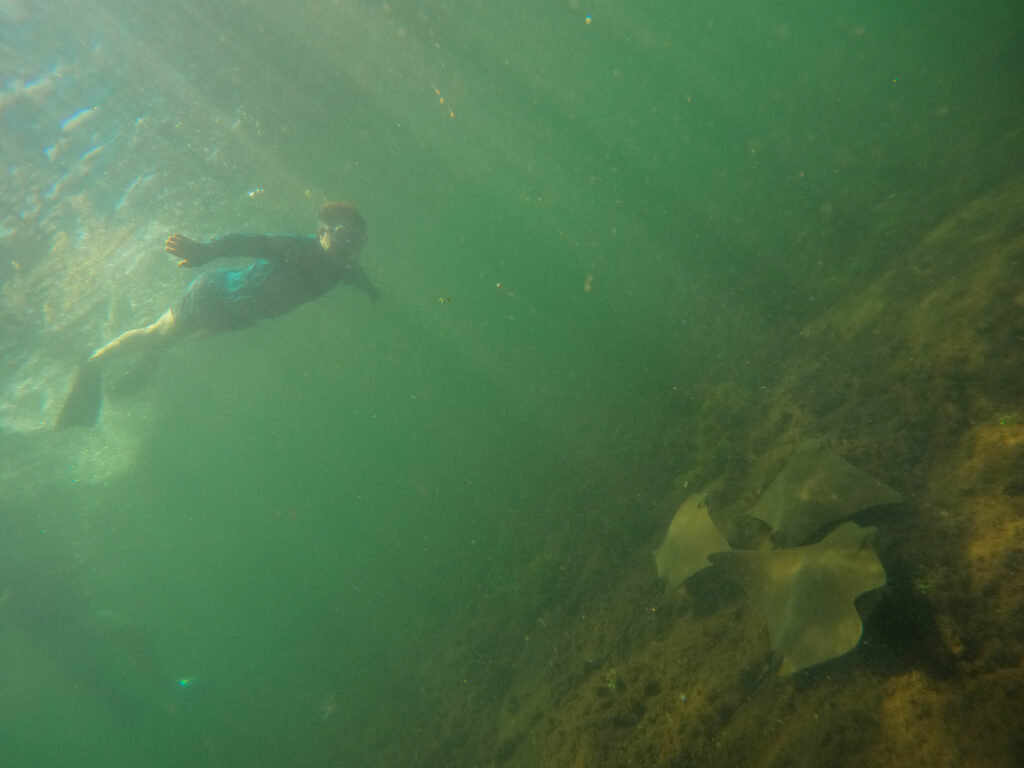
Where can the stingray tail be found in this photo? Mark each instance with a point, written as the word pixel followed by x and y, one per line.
pixel 82 407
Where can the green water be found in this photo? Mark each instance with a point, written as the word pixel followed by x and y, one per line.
pixel 613 203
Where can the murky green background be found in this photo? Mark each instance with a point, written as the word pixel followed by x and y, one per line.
pixel 575 209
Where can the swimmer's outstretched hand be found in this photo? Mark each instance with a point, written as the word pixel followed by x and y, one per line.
pixel 189 252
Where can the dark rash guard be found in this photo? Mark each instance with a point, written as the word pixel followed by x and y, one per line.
pixel 287 271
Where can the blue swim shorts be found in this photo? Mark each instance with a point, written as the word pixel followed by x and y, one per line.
pixel 222 299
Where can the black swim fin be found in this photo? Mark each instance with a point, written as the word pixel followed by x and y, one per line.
pixel 82 407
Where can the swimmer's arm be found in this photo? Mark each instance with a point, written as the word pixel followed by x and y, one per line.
pixel 356 277
pixel 192 253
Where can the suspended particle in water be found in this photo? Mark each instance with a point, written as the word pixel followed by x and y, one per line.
pixel 440 98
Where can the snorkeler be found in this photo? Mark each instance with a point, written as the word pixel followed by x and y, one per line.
pixel 287 271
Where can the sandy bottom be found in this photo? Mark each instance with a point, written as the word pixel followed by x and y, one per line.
pixel 917 380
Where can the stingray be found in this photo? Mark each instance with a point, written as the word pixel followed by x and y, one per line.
pixel 815 488
pixel 691 537
pixel 806 593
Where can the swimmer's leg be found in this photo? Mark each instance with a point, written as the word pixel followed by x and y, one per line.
pixel 164 331
pixel 82 406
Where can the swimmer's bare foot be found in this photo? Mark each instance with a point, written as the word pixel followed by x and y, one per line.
pixel 188 251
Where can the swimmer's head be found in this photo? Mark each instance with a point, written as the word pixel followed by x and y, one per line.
pixel 343 230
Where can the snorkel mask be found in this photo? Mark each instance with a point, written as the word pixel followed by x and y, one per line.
pixel 343 228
